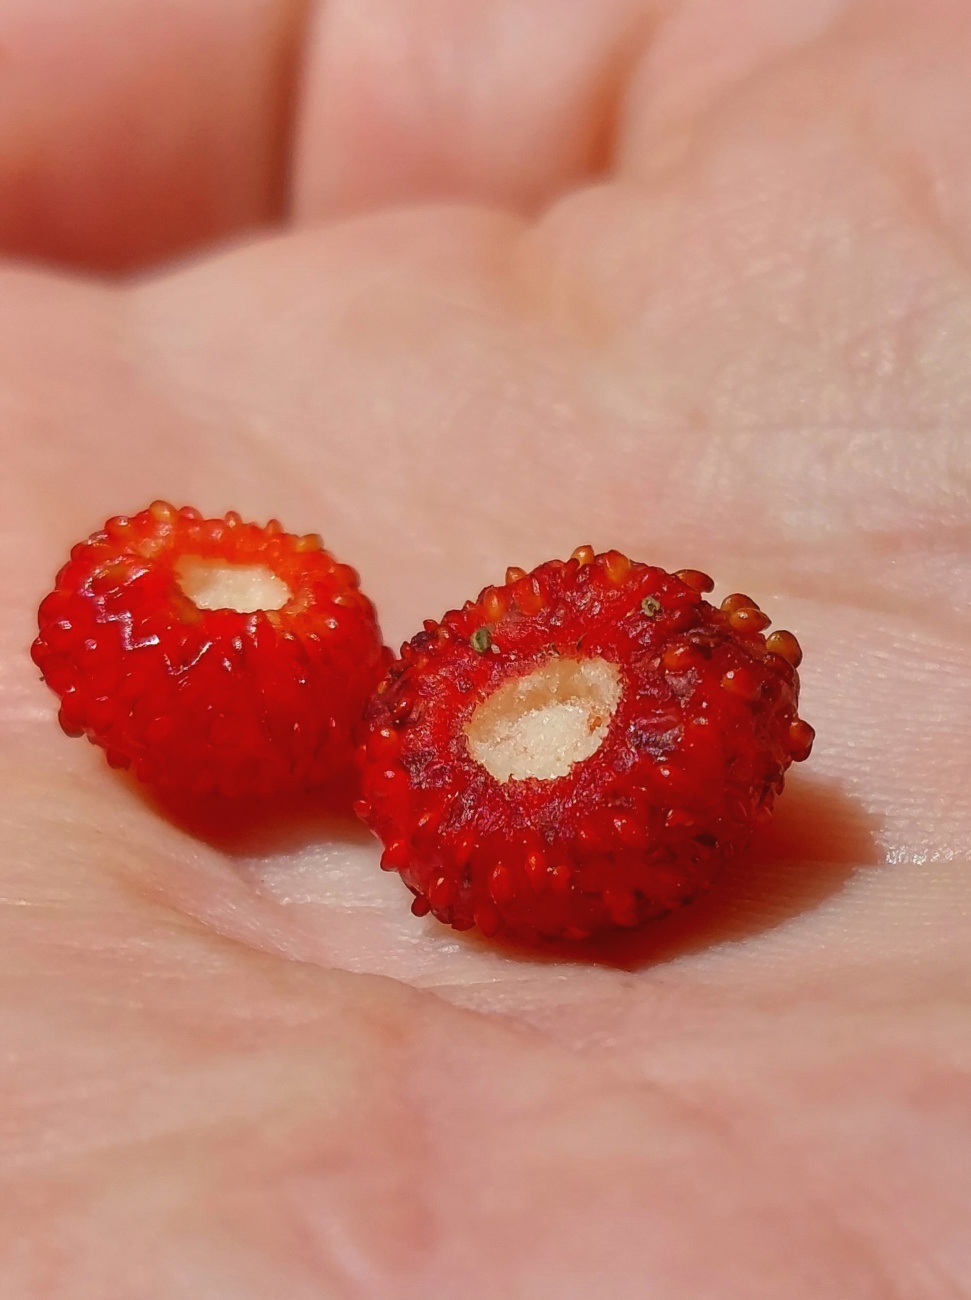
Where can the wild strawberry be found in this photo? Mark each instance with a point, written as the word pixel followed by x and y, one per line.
pixel 210 654
pixel 579 749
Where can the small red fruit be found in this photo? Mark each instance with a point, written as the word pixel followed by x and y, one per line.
pixel 210 654
pixel 579 749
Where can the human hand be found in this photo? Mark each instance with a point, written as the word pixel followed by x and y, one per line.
pixel 704 298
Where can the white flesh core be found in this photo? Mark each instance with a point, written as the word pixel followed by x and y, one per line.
pixel 245 588
pixel 541 724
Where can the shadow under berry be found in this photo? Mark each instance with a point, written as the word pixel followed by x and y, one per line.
pixel 275 825
pixel 818 839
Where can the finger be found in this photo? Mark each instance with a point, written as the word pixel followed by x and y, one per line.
pixel 887 79
pixel 513 102
pixel 132 131
pixel 503 101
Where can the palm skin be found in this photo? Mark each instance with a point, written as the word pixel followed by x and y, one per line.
pixel 686 279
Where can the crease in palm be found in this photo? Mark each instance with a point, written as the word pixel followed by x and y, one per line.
pixel 234 1060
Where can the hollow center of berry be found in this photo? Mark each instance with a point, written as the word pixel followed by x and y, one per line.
pixel 541 724
pixel 217 584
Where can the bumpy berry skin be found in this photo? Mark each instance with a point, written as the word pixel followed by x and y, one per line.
pixel 690 766
pixel 200 700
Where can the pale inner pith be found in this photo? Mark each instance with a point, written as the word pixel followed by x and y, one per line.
pixel 215 584
pixel 541 724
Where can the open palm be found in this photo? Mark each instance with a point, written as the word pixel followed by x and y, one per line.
pixel 688 278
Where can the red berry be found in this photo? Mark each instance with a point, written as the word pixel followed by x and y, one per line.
pixel 580 749
pixel 210 654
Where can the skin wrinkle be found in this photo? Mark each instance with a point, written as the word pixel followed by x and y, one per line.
pixel 917 625
pixel 83 81
pixel 836 436
pixel 292 64
pixel 916 1263
pixel 597 1090
pixel 848 21
pixel 622 68
pixel 918 193
pixel 429 115
pixel 632 50
pixel 907 317
pixel 770 1102
pixel 723 104
pixel 718 125
pixel 911 176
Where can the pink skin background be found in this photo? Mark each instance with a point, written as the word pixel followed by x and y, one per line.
pixel 463 283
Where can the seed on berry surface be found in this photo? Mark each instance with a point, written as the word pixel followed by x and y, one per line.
pixel 481 640
pixel 494 604
pixel 528 595
pixel 785 644
pixel 743 682
pixel 801 737
pixel 442 893
pixel 747 619
pixel 487 918
pixel 616 567
pixel 395 855
pixel 697 580
pixel 679 657
pixel 737 601
pixel 383 745
pixel 621 907
pixel 535 868
pixel 502 887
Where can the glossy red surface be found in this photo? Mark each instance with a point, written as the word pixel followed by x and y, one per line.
pixel 209 700
pixel 691 764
